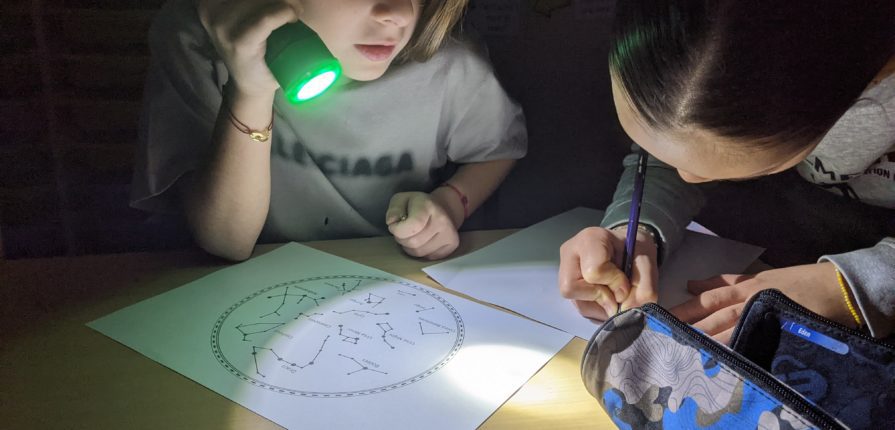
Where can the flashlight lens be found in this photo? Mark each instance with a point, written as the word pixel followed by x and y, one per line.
pixel 316 85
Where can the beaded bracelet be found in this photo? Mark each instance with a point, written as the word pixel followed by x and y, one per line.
pixel 844 287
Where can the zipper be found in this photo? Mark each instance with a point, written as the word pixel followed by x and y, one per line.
pixel 780 298
pixel 798 403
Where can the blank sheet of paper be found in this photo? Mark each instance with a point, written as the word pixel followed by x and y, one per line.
pixel 310 340
pixel 520 271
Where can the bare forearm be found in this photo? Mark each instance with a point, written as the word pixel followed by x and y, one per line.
pixel 477 181
pixel 227 200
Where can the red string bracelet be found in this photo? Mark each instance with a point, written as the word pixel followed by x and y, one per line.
pixel 463 198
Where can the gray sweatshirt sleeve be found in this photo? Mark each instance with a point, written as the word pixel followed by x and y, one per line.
pixel 870 273
pixel 669 203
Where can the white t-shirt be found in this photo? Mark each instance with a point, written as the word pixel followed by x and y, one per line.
pixel 337 160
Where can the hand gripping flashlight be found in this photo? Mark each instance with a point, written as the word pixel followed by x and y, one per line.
pixel 300 62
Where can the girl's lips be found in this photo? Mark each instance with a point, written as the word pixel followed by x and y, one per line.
pixel 376 52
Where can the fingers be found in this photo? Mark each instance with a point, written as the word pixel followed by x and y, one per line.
pixel 255 26
pixel 644 282
pixel 591 309
pixel 572 285
pixel 600 295
pixel 247 23
pixel 724 336
pixel 420 226
pixel 397 208
pixel 699 287
pixel 298 6
pixel 707 303
pixel 604 297
pixel 441 244
pixel 580 290
pixel 425 241
pixel 597 251
pixel 569 269
pixel 443 252
pixel 219 16
pixel 422 248
pixel 239 30
pixel 610 275
pixel 721 320
pixel 419 210
pixel 587 273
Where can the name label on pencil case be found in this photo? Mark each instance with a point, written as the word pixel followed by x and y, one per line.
pixel 815 337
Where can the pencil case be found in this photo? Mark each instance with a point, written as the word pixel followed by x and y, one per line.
pixel 649 370
pixel 846 373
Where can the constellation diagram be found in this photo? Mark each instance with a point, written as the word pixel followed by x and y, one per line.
pixel 255 350
pixel 345 286
pixel 423 308
pixel 346 338
pixel 337 336
pixel 386 327
pixel 374 300
pixel 360 366
pixel 284 295
pixel 255 328
pixel 428 327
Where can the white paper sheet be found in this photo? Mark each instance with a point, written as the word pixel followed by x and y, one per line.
pixel 520 271
pixel 311 340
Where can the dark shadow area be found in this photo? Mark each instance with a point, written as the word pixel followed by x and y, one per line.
pixel 796 221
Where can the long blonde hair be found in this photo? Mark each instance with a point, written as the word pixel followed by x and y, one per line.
pixel 437 20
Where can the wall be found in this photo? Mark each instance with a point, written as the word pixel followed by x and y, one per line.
pixel 551 56
pixel 70 87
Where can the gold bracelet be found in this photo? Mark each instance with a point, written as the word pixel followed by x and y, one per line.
pixel 256 135
pixel 844 287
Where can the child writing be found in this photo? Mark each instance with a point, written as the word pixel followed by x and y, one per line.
pixel 732 90
pixel 221 143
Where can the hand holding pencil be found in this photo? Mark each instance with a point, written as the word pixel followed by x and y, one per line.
pixel 634 218
pixel 606 271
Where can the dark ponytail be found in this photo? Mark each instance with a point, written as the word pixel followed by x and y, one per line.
pixel 769 73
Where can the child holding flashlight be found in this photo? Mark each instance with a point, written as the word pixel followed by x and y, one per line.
pixel 219 142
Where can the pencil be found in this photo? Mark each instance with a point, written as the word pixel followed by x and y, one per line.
pixel 634 218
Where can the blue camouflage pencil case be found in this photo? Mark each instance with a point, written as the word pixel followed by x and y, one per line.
pixel 848 374
pixel 649 370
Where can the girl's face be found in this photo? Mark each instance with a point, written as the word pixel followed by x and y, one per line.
pixel 364 35
pixel 700 155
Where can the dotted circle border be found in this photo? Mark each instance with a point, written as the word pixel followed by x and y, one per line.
pixel 219 355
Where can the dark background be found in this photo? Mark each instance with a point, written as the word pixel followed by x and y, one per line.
pixel 71 80
pixel 72 77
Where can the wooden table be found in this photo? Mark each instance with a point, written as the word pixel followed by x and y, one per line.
pixel 55 372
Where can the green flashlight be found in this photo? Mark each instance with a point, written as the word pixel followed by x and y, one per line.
pixel 300 62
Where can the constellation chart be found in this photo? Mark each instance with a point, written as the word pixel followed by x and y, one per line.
pixel 310 340
pixel 337 336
